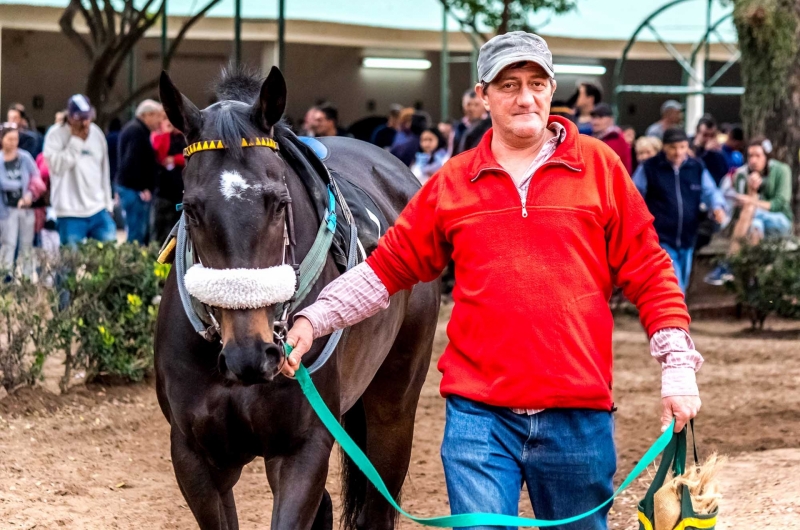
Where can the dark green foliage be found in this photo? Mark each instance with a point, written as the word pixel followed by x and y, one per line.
pixel 504 15
pixel 767 279
pixel 24 307
pixel 110 314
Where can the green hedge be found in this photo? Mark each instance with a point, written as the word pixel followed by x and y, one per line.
pixel 96 305
pixel 767 279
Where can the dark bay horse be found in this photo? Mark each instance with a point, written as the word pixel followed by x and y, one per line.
pixel 224 400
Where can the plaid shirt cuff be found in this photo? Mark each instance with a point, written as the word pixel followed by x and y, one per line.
pixel 679 359
pixel 355 296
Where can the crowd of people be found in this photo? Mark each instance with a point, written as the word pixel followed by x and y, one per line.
pixel 694 185
pixel 78 182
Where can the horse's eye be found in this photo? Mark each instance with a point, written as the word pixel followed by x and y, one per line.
pixel 191 214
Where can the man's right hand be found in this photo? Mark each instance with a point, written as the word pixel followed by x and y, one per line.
pixel 300 338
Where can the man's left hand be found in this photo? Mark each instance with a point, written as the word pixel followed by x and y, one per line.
pixel 682 408
pixel 719 216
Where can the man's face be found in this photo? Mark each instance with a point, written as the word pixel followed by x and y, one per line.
pixel 583 100
pixel 674 116
pixel 323 126
pixel 705 134
pixel 519 100
pixel 79 123
pixel 756 159
pixel 14 116
pixel 153 120
pixel 601 123
pixel 677 152
pixel 473 108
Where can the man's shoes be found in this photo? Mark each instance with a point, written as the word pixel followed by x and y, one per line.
pixel 719 276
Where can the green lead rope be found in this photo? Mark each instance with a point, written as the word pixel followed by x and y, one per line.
pixel 468 519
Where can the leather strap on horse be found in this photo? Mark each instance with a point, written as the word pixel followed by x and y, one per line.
pixel 355 453
pixel 312 265
pixel 309 272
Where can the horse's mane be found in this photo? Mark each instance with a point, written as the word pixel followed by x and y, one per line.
pixel 238 83
pixel 236 90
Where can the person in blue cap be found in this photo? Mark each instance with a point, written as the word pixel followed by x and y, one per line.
pixel 77 155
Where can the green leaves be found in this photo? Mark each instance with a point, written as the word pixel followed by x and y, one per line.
pixel 110 315
pixel 767 279
pixel 506 15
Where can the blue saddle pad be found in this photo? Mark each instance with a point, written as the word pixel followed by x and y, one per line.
pixel 318 147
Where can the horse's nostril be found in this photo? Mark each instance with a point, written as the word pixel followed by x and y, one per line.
pixel 273 350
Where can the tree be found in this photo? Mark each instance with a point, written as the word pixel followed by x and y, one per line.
pixel 114 29
pixel 502 16
pixel 769 34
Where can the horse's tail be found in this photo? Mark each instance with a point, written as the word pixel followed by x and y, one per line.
pixel 354 483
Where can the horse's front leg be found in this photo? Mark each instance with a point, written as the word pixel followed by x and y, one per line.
pixel 208 491
pixel 298 483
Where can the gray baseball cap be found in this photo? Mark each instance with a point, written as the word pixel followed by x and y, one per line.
pixel 510 48
pixel 670 104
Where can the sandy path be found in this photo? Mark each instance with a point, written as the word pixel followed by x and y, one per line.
pixel 101 460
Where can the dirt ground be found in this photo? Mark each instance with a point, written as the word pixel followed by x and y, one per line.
pixel 98 458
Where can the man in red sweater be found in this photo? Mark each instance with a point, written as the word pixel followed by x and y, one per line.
pixel 541 223
pixel 604 128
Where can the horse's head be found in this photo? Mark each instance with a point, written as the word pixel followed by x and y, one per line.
pixel 235 202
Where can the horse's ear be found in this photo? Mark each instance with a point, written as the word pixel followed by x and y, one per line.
pixel 181 112
pixel 271 102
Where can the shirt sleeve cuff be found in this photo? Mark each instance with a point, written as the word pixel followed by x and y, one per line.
pixel 678 381
pixel 315 315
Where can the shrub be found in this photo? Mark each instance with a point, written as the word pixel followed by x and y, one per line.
pixel 24 310
pixel 767 279
pixel 107 304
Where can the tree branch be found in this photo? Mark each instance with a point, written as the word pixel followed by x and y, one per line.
pixel 111 18
pixel 141 14
pixel 66 23
pixel 97 18
pixel 127 43
pixel 138 93
pixel 465 24
pixel 89 21
pixel 173 47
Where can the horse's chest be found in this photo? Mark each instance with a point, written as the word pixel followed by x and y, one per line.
pixel 222 437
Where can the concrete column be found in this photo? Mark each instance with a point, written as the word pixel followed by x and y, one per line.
pixel 695 105
pixel 269 56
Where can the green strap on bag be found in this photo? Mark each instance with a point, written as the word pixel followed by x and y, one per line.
pixel 674 459
pixel 468 519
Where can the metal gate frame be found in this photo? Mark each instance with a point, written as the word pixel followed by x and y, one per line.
pixel 689 73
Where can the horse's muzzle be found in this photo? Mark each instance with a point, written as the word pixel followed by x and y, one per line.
pixel 252 362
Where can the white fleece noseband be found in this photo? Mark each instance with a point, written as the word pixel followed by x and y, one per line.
pixel 241 288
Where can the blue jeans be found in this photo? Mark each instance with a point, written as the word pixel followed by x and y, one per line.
pixel 682 263
pixel 137 215
pixel 771 224
pixel 100 226
pixel 566 457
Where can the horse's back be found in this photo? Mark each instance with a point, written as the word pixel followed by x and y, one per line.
pixel 376 171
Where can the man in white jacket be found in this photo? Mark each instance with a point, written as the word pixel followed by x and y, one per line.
pixel 80 184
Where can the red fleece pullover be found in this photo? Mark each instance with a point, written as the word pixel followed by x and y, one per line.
pixel 531 326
